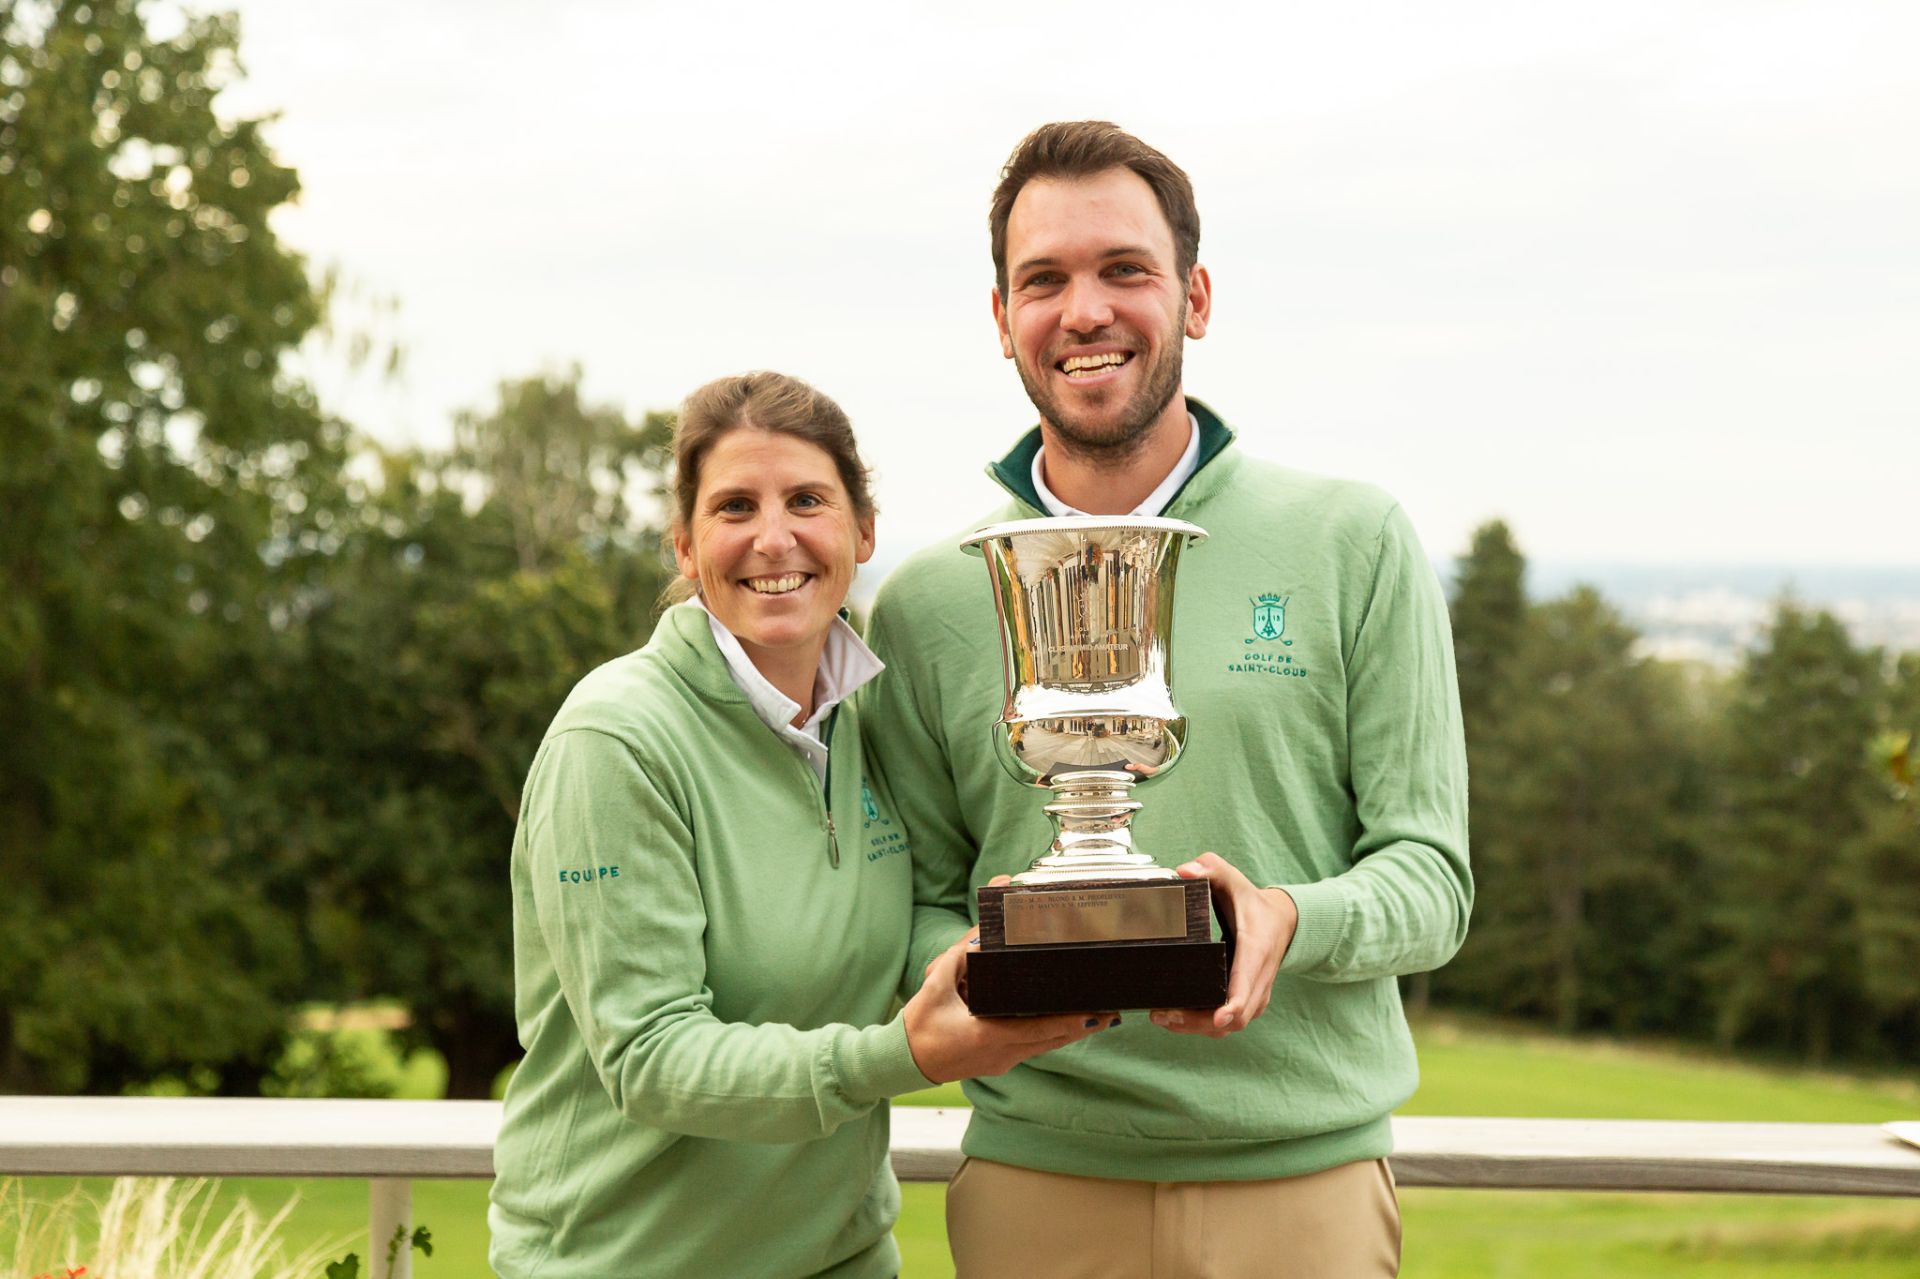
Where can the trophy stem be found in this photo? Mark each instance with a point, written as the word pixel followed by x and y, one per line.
pixel 1092 813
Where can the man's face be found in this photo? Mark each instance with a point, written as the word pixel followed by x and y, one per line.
pixel 1096 310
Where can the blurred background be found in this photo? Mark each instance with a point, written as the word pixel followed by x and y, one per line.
pixel 338 351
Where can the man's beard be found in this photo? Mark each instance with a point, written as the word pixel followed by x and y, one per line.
pixel 1117 439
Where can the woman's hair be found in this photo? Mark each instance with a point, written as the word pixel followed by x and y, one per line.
pixel 766 402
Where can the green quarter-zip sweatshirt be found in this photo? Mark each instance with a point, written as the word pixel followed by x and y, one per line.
pixel 1312 656
pixel 707 947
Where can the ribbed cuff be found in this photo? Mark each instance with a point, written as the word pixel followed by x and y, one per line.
pixel 877 1064
pixel 1323 922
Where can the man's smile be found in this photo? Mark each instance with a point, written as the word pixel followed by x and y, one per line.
pixel 1080 368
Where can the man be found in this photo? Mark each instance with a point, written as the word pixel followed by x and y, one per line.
pixel 1325 769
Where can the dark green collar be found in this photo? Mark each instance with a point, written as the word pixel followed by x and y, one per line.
pixel 1014 472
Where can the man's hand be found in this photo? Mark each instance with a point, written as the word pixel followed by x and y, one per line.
pixel 1262 920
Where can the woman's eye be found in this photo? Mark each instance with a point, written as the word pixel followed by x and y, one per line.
pixel 735 506
pixel 806 501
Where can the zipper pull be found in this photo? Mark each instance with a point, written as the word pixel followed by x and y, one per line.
pixel 833 844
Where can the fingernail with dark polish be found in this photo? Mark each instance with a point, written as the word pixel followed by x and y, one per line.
pixel 1092 1022
pixel 973 941
pixel 1114 1022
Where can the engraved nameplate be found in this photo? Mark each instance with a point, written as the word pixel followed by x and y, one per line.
pixel 1058 916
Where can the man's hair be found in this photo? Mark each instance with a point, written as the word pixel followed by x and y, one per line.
pixel 1081 149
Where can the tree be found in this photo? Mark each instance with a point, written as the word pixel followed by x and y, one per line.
pixel 1489 614
pixel 558 473
pixel 1787 965
pixel 480 586
pixel 151 451
pixel 1576 861
pixel 1881 867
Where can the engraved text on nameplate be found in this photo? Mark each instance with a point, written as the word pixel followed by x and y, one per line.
pixel 1062 916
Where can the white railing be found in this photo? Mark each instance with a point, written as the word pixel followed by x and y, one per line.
pixel 393 1143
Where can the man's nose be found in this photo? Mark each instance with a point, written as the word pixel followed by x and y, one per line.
pixel 1085 308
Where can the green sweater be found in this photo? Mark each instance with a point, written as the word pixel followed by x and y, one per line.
pixel 1325 757
pixel 705 963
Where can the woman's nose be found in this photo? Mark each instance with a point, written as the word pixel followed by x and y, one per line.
pixel 774 536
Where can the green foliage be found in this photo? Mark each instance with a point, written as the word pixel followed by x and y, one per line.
pixel 1489 612
pixel 1786 960
pixel 1881 867
pixel 266 724
pixel 433 652
pixel 1658 848
pixel 420 1241
pixel 1576 767
pixel 150 451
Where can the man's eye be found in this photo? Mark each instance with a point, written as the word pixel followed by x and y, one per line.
pixel 1123 268
pixel 1044 280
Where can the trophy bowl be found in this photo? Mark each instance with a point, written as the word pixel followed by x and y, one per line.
pixel 1085 607
pixel 1086 626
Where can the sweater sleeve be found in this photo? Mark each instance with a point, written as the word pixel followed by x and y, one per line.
pixel 1402 905
pixel 628 947
pixel 913 761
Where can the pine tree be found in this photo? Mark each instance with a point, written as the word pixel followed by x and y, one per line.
pixel 1786 969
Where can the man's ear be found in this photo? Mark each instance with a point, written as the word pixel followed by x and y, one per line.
pixel 1000 324
pixel 1199 301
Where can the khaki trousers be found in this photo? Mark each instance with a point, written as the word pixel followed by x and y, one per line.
pixel 1005 1222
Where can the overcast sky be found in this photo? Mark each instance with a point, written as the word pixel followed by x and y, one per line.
pixel 1642 278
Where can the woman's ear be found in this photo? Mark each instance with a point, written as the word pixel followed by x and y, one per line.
pixel 683 554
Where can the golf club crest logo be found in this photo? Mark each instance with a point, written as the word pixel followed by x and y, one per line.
pixel 1270 619
pixel 883 840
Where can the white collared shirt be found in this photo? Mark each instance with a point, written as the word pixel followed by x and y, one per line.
pixel 845 664
pixel 1155 502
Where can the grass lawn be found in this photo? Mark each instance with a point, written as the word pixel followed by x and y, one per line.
pixel 1468 1068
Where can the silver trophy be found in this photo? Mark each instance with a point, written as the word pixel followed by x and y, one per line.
pixel 1086 627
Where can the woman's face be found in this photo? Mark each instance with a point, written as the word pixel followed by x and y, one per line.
pixel 773 539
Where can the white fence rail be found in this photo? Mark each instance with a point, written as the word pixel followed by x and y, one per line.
pixel 393 1143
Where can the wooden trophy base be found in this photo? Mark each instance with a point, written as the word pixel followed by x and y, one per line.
pixel 1096 946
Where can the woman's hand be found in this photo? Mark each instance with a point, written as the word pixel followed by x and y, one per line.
pixel 948 1042
pixel 1263 921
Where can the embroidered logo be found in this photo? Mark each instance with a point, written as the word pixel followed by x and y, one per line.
pixel 1262 653
pixel 882 839
pixel 1270 618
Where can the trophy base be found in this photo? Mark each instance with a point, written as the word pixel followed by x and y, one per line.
pixel 1096 946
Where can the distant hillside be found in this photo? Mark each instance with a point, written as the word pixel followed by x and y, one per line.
pixel 1713 612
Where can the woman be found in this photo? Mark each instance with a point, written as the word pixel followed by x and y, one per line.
pixel 711 904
